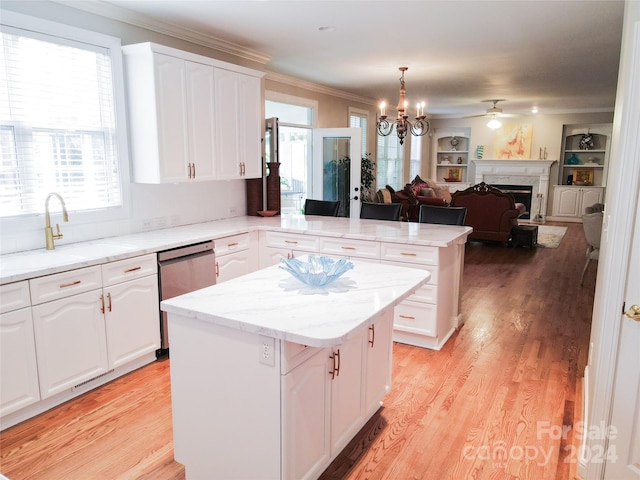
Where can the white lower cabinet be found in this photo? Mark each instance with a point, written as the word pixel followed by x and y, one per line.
pixel 18 367
pixel 131 319
pixel 234 256
pixel 330 396
pixel 70 341
pixel 277 245
pixel 86 325
pixel 570 201
pixel 306 415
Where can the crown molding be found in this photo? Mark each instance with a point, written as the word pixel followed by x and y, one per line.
pixel 318 88
pixel 114 12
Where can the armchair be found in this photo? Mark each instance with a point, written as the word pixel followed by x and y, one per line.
pixel 491 212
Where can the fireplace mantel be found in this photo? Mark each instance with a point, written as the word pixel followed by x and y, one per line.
pixel 517 172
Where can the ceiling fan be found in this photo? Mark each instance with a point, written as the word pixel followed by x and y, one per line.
pixel 493 113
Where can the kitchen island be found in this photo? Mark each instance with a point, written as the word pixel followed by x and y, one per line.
pixel 270 379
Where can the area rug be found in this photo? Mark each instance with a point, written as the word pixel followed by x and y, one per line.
pixel 550 237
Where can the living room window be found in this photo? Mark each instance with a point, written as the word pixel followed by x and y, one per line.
pixel 390 160
pixel 58 118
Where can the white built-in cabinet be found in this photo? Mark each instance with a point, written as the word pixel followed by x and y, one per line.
pixel 330 395
pixel 94 319
pixel 428 317
pixel 69 331
pixel 19 386
pixel 583 169
pixel 451 157
pixel 191 118
pixel 235 256
pixel 571 202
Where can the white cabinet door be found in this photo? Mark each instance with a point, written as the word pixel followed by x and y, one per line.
pixel 589 197
pixel 200 110
pixel 18 368
pixel 132 320
pixel 172 118
pixel 347 402
pixel 238 125
pixel 233 265
pixel 70 339
pixel 567 202
pixel 305 418
pixel 378 371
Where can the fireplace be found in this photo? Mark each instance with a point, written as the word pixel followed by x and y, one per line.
pixel 530 175
pixel 520 194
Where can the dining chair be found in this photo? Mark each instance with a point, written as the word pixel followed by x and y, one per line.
pixel 592 226
pixel 442 215
pixel 321 207
pixel 380 211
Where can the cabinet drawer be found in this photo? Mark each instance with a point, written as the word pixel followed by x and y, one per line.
pixel 399 252
pixel 14 296
pixel 61 285
pixel 231 244
pixel 350 248
pixel 415 317
pixel 425 294
pixel 432 269
pixel 293 354
pixel 291 240
pixel 129 269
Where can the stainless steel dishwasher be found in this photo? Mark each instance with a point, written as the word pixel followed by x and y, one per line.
pixel 183 270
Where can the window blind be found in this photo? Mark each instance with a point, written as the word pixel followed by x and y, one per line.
pixel 57 124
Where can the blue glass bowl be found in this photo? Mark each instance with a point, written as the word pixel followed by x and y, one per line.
pixel 316 271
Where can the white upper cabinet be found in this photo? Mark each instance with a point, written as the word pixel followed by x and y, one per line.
pixel 191 118
pixel 238 125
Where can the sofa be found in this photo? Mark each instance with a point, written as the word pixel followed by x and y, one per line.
pixel 490 212
pixel 419 192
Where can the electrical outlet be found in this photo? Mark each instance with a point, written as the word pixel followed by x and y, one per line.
pixel 233 210
pixel 267 351
pixel 147 224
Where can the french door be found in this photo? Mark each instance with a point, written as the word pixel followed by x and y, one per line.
pixel 336 168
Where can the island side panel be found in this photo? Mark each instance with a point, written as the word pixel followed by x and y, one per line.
pixel 226 404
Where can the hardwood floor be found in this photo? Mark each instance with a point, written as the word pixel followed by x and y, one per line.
pixel 491 404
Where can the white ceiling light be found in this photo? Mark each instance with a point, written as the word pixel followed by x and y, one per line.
pixel 494 123
pixel 401 124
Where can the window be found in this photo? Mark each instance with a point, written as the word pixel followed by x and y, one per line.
pixel 360 120
pixel 390 162
pixel 57 121
pixel 416 157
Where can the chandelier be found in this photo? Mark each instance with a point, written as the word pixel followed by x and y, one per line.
pixel 401 123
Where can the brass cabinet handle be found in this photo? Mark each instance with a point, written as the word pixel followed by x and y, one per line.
pixel 409 317
pixel 372 340
pixel 291 242
pixel 633 313
pixel 193 170
pixel 335 369
pixel 189 169
pixel 348 248
pixel 234 244
pixel 70 284
pixel 217 269
pixel 109 301
pixel 101 303
pixel 129 270
pixel 408 254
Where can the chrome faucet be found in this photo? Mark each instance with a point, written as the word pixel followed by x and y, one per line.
pixel 48 231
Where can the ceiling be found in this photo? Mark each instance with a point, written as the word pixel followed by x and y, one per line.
pixel 561 56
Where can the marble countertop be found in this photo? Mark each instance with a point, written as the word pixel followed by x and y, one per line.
pixel 34 263
pixel 273 303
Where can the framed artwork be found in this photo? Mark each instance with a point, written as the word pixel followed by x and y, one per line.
pixel 583 177
pixel 454 174
pixel 513 142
